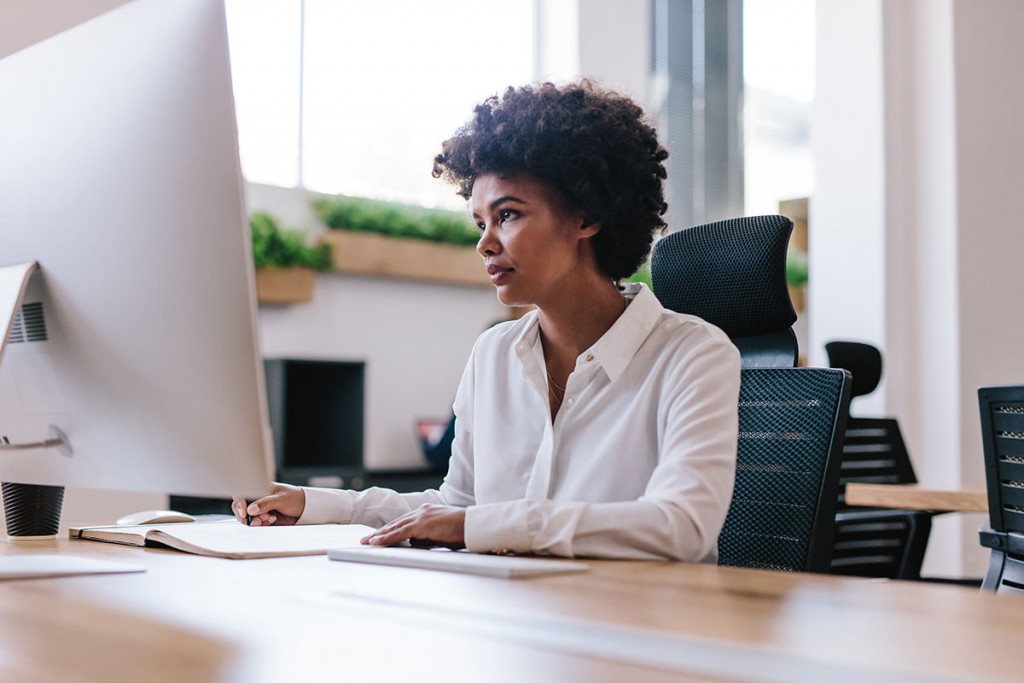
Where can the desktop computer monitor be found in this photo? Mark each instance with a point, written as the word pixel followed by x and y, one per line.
pixel 135 338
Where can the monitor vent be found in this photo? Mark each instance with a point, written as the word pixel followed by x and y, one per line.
pixel 29 325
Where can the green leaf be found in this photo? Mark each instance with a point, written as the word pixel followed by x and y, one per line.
pixel 360 214
pixel 273 246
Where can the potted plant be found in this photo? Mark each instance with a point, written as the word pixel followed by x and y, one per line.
pixel 373 237
pixel 285 264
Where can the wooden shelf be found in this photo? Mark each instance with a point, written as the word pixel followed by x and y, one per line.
pixel 284 285
pixel 361 253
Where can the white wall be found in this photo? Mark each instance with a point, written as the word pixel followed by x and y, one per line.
pixel 556 43
pixel 989 105
pixel 847 213
pixel 923 318
pixel 915 244
pixel 606 40
pixel 615 45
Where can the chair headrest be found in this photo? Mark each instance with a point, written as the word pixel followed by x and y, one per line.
pixel 864 362
pixel 731 273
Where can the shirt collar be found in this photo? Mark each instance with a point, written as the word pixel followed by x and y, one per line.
pixel 530 335
pixel 616 347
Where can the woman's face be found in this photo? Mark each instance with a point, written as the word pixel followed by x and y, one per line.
pixel 531 245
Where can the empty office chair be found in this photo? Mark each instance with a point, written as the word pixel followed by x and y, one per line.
pixel 1002 438
pixel 732 274
pixel 874 542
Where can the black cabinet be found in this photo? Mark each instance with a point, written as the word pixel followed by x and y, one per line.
pixel 317 416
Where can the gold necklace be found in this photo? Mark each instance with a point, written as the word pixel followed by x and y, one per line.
pixel 553 382
pixel 552 385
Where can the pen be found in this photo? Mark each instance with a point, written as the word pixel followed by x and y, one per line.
pixel 248 520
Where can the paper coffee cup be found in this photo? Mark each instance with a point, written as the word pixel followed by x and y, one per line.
pixel 32 511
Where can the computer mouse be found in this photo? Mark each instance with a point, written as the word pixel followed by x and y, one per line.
pixel 155 517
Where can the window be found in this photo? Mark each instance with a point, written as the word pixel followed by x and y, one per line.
pixel 362 107
pixel 697 92
pixel 778 73
pixel 265 37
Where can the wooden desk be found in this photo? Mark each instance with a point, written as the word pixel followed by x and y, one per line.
pixel 915 497
pixel 191 618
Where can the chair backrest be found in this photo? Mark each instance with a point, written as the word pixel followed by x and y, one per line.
pixel 864 362
pixel 733 274
pixel 873 449
pixel 1002 438
pixel 874 453
pixel 791 422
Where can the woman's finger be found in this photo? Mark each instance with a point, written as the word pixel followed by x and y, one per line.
pixel 391 533
pixel 396 527
pixel 238 506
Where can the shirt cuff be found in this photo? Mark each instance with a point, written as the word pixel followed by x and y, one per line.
pixel 498 526
pixel 327 506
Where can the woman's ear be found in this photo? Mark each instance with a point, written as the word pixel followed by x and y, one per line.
pixel 589 227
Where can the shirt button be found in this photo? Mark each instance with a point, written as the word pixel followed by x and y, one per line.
pixel 570 401
pixel 589 357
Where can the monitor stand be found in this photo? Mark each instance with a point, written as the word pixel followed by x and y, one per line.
pixel 13 284
pixel 32 511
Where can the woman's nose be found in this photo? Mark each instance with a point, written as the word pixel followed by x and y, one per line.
pixel 487 244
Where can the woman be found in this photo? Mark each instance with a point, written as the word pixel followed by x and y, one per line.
pixel 600 424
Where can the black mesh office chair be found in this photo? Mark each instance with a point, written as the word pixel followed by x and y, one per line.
pixel 874 542
pixel 1002 438
pixel 732 274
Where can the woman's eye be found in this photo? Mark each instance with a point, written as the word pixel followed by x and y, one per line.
pixel 506 214
pixel 480 226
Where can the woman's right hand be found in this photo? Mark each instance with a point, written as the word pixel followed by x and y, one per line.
pixel 282 507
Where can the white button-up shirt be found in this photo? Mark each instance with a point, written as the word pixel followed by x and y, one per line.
pixel 639 462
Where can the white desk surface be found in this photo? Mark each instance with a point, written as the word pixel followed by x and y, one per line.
pixel 199 619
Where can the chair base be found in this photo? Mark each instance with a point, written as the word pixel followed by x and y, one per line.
pixel 1006 566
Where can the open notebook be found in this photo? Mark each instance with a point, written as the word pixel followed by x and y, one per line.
pixel 228 538
pixel 503 566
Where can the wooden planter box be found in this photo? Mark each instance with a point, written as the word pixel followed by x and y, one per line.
pixel 363 253
pixel 284 285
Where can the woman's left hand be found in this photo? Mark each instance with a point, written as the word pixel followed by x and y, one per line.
pixel 442 525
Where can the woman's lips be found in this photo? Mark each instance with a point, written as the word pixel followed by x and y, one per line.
pixel 498 274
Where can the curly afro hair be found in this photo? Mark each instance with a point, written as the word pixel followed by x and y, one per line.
pixel 594 146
